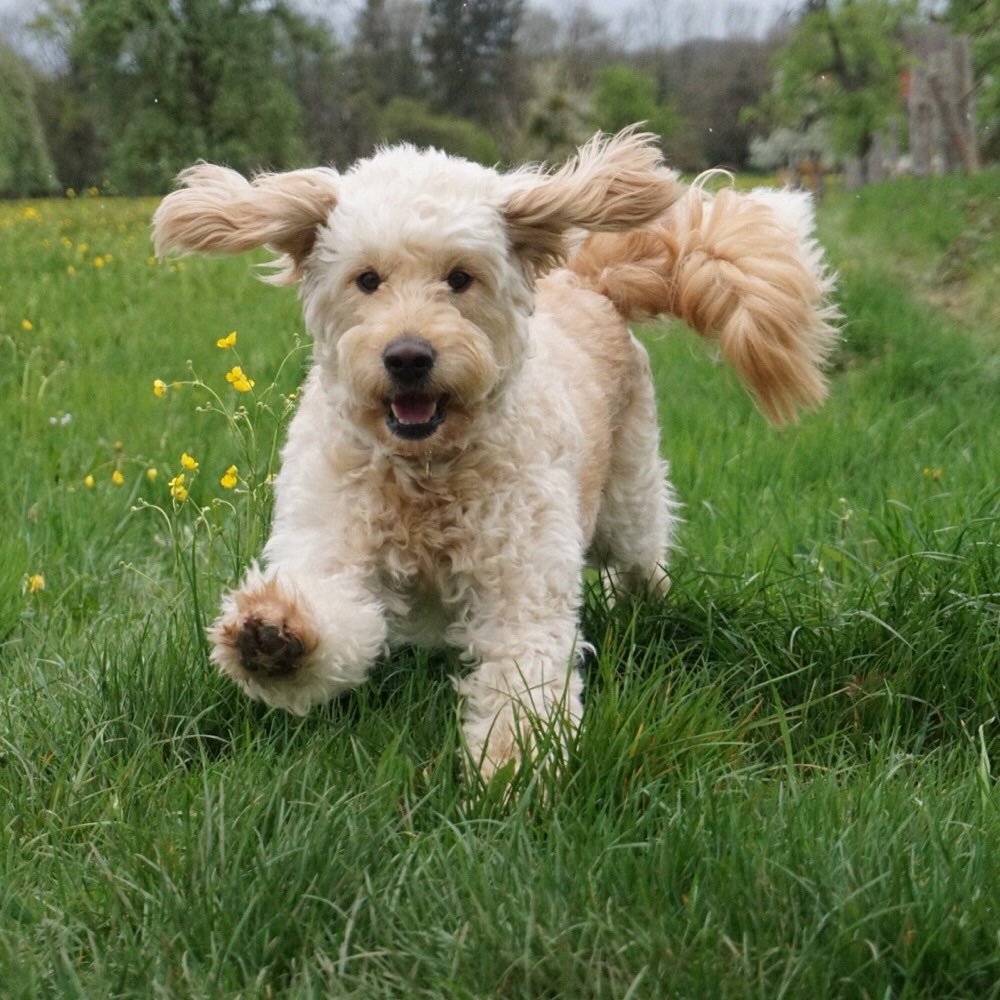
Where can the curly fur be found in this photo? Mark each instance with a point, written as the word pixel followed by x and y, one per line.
pixel 463 449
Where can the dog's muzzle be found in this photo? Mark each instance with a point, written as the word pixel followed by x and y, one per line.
pixel 413 410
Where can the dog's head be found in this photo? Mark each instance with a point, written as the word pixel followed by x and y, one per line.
pixel 417 268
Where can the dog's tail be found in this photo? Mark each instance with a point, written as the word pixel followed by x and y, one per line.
pixel 739 268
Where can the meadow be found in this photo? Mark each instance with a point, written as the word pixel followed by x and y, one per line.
pixel 786 784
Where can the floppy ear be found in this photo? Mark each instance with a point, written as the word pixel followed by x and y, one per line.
pixel 218 210
pixel 612 184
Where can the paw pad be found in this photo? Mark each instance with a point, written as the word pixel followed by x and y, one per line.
pixel 268 648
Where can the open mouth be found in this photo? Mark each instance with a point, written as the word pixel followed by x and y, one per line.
pixel 414 416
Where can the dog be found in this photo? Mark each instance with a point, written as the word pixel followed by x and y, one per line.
pixel 479 423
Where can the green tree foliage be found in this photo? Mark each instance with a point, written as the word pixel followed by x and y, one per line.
pixel 176 80
pixel 25 165
pixel 841 66
pixel 555 122
pixel 407 120
pixel 472 56
pixel 711 81
pixel 624 96
pixel 312 65
pixel 386 60
pixel 980 19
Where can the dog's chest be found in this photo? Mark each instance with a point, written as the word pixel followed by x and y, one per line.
pixel 424 530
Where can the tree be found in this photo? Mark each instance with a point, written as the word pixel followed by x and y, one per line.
pixel 171 81
pixel 25 165
pixel 472 56
pixel 385 58
pixel 840 66
pixel 711 81
pixel 980 19
pixel 313 67
pixel 625 96
pixel 407 120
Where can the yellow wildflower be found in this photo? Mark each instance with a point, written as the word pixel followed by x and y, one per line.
pixel 159 387
pixel 71 270
pixel 230 479
pixel 98 262
pixel 88 481
pixel 36 583
pixel 70 193
pixel 26 325
pixel 239 380
pixel 934 474
pixel 117 478
pixel 188 462
pixel 151 474
pixel 177 488
pixel 227 341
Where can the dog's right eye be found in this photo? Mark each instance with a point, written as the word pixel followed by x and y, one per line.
pixel 368 282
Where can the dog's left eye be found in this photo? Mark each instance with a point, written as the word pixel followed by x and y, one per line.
pixel 458 280
pixel 368 282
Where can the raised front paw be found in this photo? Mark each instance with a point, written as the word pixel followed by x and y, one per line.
pixel 294 641
pixel 264 639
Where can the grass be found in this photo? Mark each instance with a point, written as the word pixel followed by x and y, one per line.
pixel 786 785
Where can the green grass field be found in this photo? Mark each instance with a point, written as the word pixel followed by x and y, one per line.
pixel 786 782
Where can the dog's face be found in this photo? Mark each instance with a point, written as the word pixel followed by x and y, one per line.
pixel 416 298
pixel 417 268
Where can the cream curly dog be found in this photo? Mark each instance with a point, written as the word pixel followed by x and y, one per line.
pixel 479 423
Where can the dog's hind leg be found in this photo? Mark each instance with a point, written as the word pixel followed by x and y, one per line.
pixel 637 516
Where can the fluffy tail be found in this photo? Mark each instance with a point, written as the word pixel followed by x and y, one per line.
pixel 740 269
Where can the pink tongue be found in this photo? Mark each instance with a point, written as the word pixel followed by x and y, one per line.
pixel 414 408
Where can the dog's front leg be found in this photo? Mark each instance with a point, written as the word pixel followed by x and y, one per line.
pixel 523 634
pixel 296 639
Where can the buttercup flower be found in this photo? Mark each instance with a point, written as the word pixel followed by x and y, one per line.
pixel 177 488
pixel 88 481
pixel 228 341
pixel 117 478
pixel 36 583
pixel 26 325
pixel 188 462
pixel 159 387
pixel 151 474
pixel 230 479
pixel 239 380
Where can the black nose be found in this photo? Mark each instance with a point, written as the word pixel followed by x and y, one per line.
pixel 409 359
